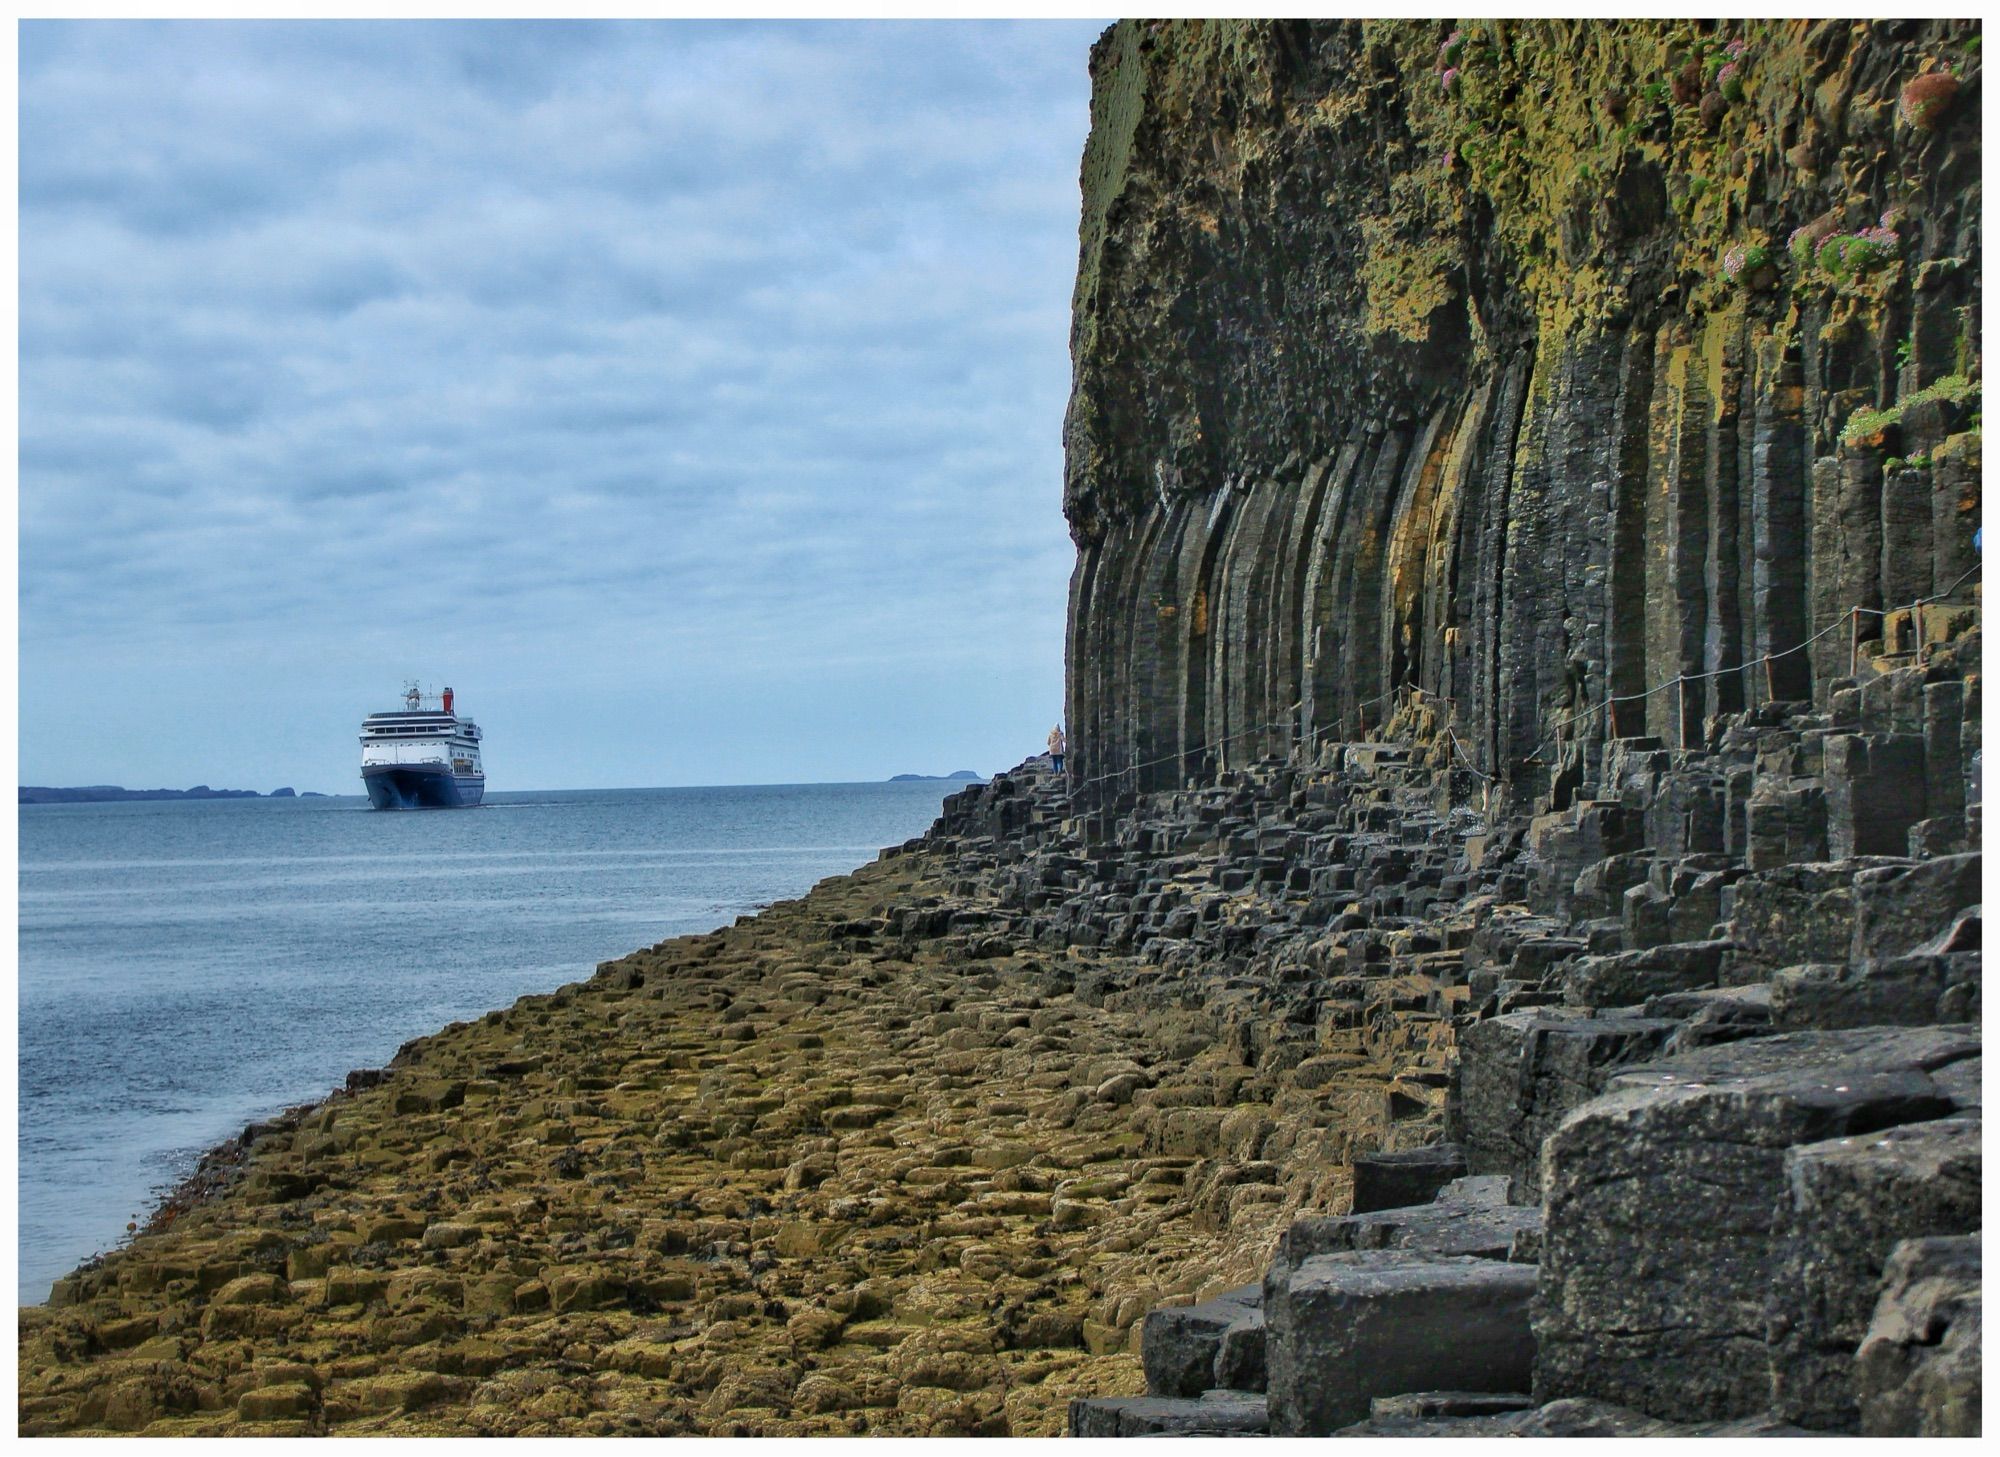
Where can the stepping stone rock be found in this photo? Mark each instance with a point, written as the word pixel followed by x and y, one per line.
pixel 1899 907
pixel 1630 977
pixel 1658 1250
pixel 1400 1179
pixel 1521 1074
pixel 1213 1414
pixel 1849 1202
pixel 1180 1345
pixel 1471 1217
pixel 1347 1328
pixel 1918 1372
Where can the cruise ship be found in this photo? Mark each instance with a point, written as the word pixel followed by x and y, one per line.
pixel 423 756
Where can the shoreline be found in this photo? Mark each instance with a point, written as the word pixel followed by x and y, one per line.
pixel 845 1165
pixel 103 1148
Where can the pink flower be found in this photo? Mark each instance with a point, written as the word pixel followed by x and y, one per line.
pixel 1449 79
pixel 1736 48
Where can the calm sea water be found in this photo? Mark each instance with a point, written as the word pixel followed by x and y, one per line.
pixel 188 966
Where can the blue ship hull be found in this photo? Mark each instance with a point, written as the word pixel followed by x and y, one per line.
pixel 416 786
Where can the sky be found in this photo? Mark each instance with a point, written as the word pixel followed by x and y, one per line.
pixel 688 397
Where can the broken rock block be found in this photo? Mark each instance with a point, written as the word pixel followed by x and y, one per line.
pixel 1712 1015
pixel 1345 1329
pixel 1658 1250
pixel 1905 991
pixel 1917 1373
pixel 1630 977
pixel 1214 1414
pixel 1785 822
pixel 1897 908
pixel 1405 1177
pixel 1521 1074
pixel 1425 1416
pixel 1875 790
pixel 1181 1345
pixel 1848 1203
pixel 1793 913
pixel 1470 1217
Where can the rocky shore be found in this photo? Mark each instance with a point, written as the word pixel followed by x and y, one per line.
pixel 865 1162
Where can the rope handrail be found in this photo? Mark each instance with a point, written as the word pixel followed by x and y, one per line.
pixel 1312 734
pixel 1847 616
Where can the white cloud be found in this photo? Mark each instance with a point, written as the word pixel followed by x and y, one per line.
pixel 656 352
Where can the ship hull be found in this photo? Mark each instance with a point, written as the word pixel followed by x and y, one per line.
pixel 421 786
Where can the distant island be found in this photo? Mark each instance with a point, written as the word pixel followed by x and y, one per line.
pixel 110 793
pixel 955 774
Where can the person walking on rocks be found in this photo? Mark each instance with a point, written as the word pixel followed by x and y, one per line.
pixel 1056 748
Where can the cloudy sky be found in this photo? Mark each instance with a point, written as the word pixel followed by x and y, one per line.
pixel 688 397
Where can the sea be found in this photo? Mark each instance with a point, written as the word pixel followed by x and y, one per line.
pixel 190 966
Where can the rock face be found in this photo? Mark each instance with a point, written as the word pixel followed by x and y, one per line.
pixel 1537 461
pixel 1391 379
pixel 1918 1369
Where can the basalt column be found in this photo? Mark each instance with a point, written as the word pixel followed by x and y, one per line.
pixel 1590 379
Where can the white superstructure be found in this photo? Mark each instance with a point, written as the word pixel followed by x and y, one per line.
pixel 424 756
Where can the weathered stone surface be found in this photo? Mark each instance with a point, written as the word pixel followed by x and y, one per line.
pixel 1471 1217
pixel 1424 1405
pixel 1520 1074
pixel 1571 1417
pixel 1908 991
pixel 1658 1249
pixel 1410 1176
pixel 1847 1203
pixel 1794 913
pixel 1897 908
pixel 1344 1329
pixel 1875 790
pixel 1917 1373
pixel 1273 542
pixel 1215 1414
pixel 1180 1345
pixel 1631 977
pixel 1712 1015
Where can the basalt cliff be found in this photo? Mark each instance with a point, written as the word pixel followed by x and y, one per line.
pixel 1524 477
pixel 1504 957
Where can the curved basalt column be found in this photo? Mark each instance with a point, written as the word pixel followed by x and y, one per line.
pixel 1480 363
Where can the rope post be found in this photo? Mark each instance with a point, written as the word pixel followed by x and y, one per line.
pixel 1854 644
